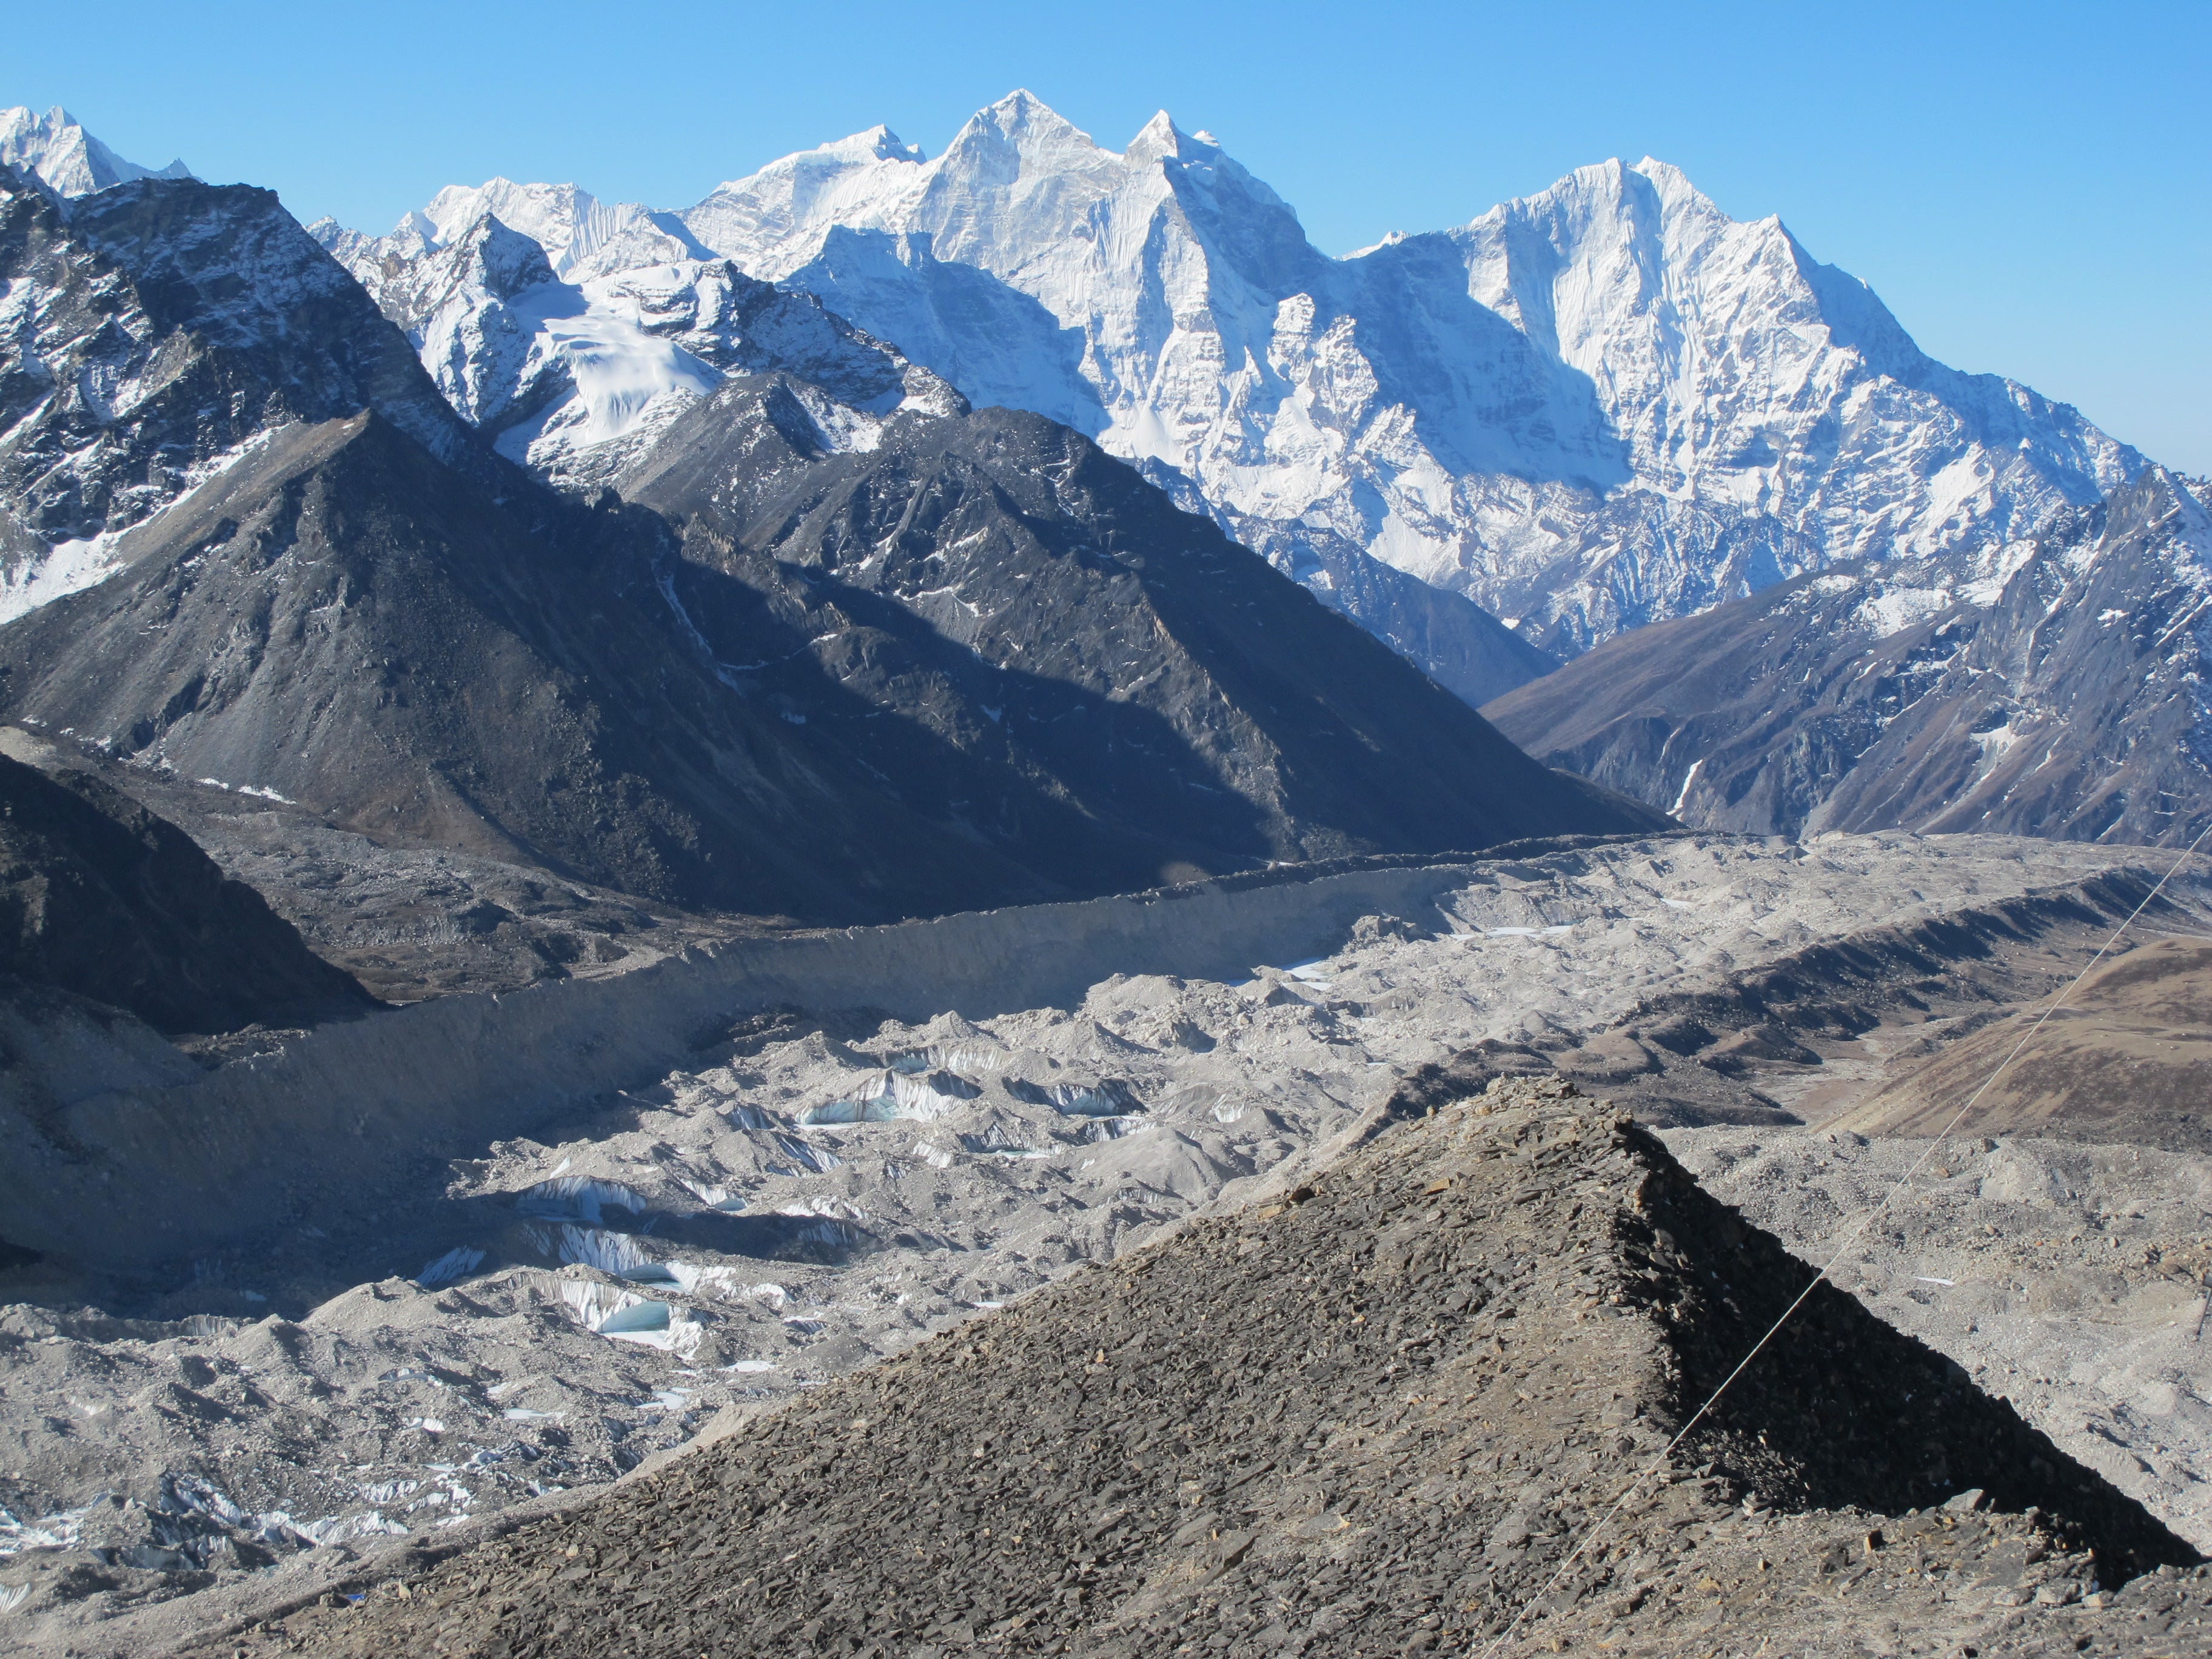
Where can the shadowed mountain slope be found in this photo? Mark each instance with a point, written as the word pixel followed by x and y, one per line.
pixel 361 629
pixel 100 897
pixel 345 620
pixel 1124 687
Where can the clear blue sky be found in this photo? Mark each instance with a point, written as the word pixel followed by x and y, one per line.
pixel 2029 186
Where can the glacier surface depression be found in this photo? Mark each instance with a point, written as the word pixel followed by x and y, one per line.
pixel 421 1348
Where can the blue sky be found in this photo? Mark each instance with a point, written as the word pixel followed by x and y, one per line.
pixel 2027 184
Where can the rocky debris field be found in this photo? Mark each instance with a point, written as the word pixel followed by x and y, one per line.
pixel 1373 1415
pixel 811 1191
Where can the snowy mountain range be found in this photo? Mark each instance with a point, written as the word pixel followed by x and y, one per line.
pixel 804 637
pixel 1589 409
pixel 1603 406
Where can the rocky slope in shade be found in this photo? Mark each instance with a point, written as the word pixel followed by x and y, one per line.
pixel 1095 674
pixel 2052 689
pixel 1369 1416
pixel 1587 409
pixel 100 898
pixel 349 622
pixel 149 334
pixel 345 620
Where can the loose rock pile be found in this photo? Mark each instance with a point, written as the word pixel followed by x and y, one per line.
pixel 1370 1416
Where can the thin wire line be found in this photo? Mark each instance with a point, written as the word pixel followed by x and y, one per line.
pixel 1590 1532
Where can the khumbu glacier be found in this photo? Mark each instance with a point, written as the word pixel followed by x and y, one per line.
pixel 1598 406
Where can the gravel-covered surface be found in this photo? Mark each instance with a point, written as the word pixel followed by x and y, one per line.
pixel 1369 1416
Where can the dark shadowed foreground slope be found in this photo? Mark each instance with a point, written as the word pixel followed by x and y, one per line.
pixel 1367 1418
pixel 2057 689
pixel 100 897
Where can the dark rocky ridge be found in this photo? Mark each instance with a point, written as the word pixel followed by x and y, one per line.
pixel 165 323
pixel 374 634
pixel 100 898
pixel 1367 1418
pixel 347 621
pixel 1072 663
pixel 2063 699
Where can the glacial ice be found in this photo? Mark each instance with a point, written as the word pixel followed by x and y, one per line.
pixel 895 1093
pixel 457 1263
pixel 1110 1098
pixel 713 1197
pixel 617 1314
pixel 618 1254
pixel 579 1198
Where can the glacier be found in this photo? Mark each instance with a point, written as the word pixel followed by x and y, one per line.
pixel 1600 405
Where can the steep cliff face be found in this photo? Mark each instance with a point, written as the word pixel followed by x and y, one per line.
pixel 100 897
pixel 2057 689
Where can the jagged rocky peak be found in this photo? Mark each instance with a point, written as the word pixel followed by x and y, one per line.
pixel 206 318
pixel 58 151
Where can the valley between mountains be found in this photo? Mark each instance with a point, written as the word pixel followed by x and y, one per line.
pixel 957 904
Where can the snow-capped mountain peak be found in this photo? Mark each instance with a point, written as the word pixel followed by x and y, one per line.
pixel 1595 406
pixel 582 236
pixel 66 158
